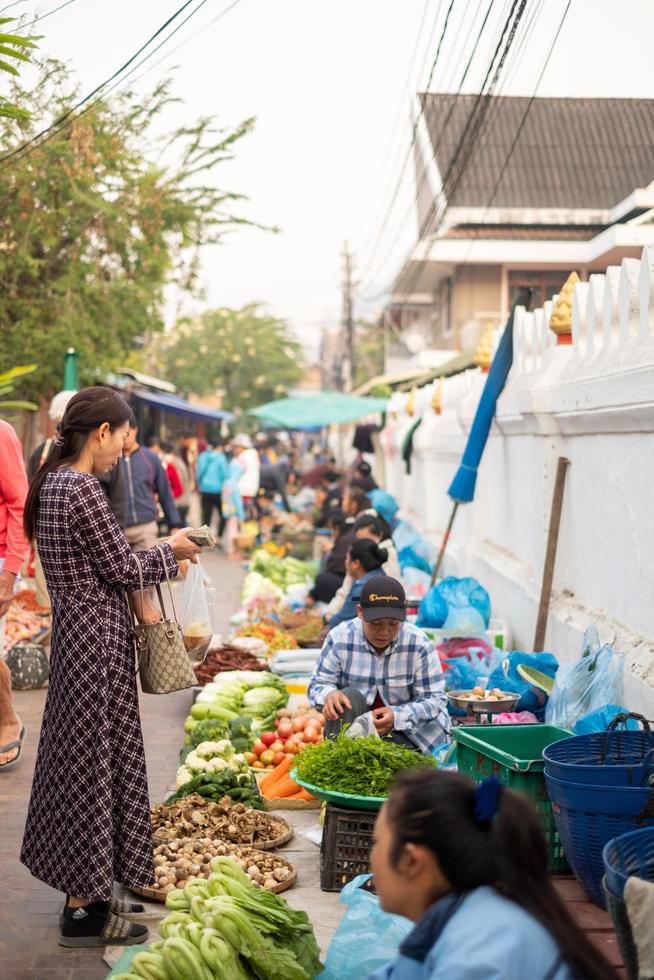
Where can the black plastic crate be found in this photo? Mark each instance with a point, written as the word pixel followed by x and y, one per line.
pixel 346 846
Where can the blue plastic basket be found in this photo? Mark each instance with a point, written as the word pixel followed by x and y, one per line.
pixel 611 758
pixel 587 817
pixel 629 856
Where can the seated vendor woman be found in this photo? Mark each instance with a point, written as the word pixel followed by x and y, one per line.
pixel 379 663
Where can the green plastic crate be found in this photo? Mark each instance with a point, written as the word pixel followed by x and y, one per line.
pixel 514 753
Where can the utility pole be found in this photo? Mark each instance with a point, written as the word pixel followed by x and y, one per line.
pixel 348 339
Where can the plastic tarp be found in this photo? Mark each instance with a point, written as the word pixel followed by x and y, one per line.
pixel 312 411
pixel 179 406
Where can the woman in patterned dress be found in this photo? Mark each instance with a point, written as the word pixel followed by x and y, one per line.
pixel 88 823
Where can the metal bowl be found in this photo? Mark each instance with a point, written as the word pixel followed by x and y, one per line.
pixel 463 701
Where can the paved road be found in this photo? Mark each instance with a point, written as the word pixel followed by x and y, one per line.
pixel 29 909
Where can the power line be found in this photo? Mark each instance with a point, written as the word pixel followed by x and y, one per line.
pixel 467 141
pixel 58 123
pixel 443 129
pixel 49 13
pixel 412 141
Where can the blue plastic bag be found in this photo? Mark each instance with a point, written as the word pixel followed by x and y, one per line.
pixel 507 678
pixel 599 720
pixel 366 939
pixel 385 504
pixel 586 685
pixel 432 610
pixel 410 557
pixel 460 593
pixel 466 619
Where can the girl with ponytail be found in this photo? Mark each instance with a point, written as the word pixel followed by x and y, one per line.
pixel 467 862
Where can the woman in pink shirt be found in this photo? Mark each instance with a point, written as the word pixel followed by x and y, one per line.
pixel 13 551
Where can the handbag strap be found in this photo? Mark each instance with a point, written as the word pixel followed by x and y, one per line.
pixel 170 591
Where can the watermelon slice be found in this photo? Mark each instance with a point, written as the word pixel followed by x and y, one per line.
pixel 536 678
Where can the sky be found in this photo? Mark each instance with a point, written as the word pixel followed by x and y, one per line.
pixel 332 85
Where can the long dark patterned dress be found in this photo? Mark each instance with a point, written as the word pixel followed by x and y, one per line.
pixel 88 823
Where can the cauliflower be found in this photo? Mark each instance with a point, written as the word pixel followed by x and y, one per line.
pixel 195 763
pixel 207 750
pixel 215 765
pixel 184 775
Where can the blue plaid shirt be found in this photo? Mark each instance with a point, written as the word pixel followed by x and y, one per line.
pixel 407 675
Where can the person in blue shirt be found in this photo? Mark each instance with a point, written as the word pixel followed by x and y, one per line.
pixel 364 560
pixel 467 863
pixel 211 473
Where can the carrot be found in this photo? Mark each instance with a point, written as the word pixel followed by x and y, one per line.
pixel 285 787
pixel 303 794
pixel 274 777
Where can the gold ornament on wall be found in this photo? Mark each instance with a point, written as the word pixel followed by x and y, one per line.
pixel 561 317
pixel 411 403
pixel 437 397
pixel 484 352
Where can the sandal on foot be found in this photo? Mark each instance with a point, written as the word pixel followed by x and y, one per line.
pixel 116 905
pixel 18 744
pixel 87 926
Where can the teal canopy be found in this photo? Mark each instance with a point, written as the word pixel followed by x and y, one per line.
pixel 314 411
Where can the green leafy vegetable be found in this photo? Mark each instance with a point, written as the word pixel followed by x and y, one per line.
pixel 213 786
pixel 362 766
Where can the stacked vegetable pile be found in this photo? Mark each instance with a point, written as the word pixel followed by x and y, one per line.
pixel 238 731
pixel 293 732
pixel 274 638
pixel 257 694
pixel 227 928
pixel 360 766
pixel 177 862
pixel 240 786
pixel 282 571
pixel 210 758
pixel 193 816
pixel 223 658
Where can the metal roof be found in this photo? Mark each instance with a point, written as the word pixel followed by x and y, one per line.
pixel 571 153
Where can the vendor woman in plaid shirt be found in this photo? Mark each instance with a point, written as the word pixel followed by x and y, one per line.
pixel 380 663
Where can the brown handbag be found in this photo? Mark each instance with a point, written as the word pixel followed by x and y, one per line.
pixel 164 664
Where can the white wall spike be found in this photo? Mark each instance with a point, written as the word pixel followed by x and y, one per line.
pixel 628 299
pixel 579 337
pixel 595 313
pixel 646 292
pixel 611 307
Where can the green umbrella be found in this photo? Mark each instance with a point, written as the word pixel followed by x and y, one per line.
pixel 315 411
pixel 71 379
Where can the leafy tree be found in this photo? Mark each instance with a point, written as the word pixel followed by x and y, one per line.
pixel 246 355
pixel 93 225
pixel 16 47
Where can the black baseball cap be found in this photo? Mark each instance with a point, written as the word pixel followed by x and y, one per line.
pixel 383 598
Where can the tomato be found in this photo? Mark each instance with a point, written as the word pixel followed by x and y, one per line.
pixel 250 757
pixel 290 748
pixel 299 723
pixel 320 718
pixel 301 746
pixel 268 738
pixel 283 713
pixel 267 758
pixel 277 746
pixel 277 722
pixel 279 757
pixel 258 747
pixel 311 734
pixel 285 729
pixel 258 764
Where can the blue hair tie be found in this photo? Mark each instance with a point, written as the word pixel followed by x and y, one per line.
pixel 487 795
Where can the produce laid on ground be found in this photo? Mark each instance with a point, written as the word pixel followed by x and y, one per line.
pixel 260 592
pixel 194 816
pixel 210 758
pixel 178 862
pixel 273 637
pixel 240 786
pixel 257 694
pixel 291 734
pixel 238 731
pixel 226 928
pixel 305 627
pixel 226 657
pixel 24 620
pixel 278 785
pixel 359 766
pixel 282 571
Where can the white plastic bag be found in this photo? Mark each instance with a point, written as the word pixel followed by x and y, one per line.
pixel 195 617
pixel 362 727
pixel 589 683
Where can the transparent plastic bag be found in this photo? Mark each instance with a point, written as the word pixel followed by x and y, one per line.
pixel 366 938
pixel 590 683
pixel 362 727
pixel 196 614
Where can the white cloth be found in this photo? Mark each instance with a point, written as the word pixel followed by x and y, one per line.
pixel 639 899
pixel 249 482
